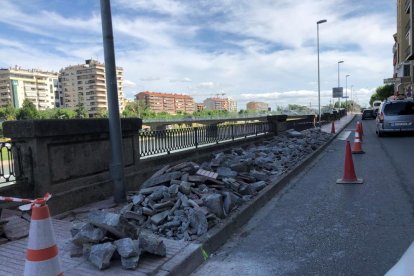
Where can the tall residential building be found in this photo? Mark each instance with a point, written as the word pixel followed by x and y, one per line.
pixel 17 84
pixel 166 102
pixel 85 84
pixel 403 48
pixel 217 103
pixel 257 106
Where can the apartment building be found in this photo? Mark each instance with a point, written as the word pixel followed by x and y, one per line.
pixel 17 84
pixel 217 103
pixel 85 84
pixel 403 49
pixel 167 102
pixel 257 106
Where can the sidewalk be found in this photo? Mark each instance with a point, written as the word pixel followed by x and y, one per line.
pixel 339 124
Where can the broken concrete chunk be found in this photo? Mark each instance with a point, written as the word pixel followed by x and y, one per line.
pixel 185 187
pixel 159 218
pixel 138 199
pixel 127 247
pixel 130 263
pixel 226 172
pixel 173 189
pixel 158 180
pixel 113 223
pixel 198 221
pixel 214 202
pixel 152 244
pixel 100 255
pixel 258 186
pixel 88 234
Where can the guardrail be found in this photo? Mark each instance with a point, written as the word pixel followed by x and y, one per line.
pixel 164 141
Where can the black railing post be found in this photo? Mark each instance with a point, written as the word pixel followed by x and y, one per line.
pixel 232 132
pixel 196 137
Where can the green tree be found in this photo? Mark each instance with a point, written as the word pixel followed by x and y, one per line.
pixel 382 93
pixel 28 111
pixel 80 111
pixel 8 113
pixel 102 113
pixel 136 109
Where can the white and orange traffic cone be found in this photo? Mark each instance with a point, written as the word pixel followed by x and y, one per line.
pixel 349 171
pixel 42 252
pixel 357 149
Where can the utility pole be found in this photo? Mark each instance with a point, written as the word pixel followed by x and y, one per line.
pixel 115 133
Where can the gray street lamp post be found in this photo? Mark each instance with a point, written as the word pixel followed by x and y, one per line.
pixel 319 77
pixel 346 92
pixel 339 83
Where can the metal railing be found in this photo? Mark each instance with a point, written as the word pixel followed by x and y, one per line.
pixel 165 141
pixel 9 159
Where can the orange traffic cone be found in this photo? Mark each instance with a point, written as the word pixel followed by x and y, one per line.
pixel 357 144
pixel 42 252
pixel 349 171
pixel 333 128
pixel 358 129
pixel 361 129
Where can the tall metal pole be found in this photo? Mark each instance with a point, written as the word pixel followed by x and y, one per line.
pixel 319 77
pixel 346 92
pixel 115 133
pixel 339 83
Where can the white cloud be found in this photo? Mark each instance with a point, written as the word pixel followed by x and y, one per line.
pixel 236 47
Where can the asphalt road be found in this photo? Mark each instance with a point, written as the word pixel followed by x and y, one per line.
pixel 317 227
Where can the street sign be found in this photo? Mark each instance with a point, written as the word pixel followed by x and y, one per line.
pixel 337 92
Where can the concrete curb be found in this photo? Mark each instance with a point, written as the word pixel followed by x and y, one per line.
pixel 196 253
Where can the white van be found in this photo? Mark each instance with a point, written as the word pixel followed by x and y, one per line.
pixel 375 106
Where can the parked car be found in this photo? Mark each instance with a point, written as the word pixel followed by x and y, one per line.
pixel 375 106
pixel 368 114
pixel 395 116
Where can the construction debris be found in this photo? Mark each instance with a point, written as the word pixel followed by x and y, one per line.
pixel 184 201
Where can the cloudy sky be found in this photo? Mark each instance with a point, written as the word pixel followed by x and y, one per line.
pixel 247 49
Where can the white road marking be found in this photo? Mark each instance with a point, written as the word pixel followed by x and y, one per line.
pixel 344 135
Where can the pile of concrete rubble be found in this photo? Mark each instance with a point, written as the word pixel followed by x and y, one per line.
pixel 186 200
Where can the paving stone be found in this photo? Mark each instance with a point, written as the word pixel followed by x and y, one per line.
pixel 127 247
pixel 130 263
pixel 152 244
pixel 113 223
pixel 88 234
pixel 100 255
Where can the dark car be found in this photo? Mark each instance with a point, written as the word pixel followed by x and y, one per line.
pixel 395 116
pixel 368 114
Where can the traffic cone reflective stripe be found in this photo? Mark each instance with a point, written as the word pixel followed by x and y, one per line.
pixel 359 129
pixel 42 253
pixel 357 149
pixel 349 171
pixel 333 128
